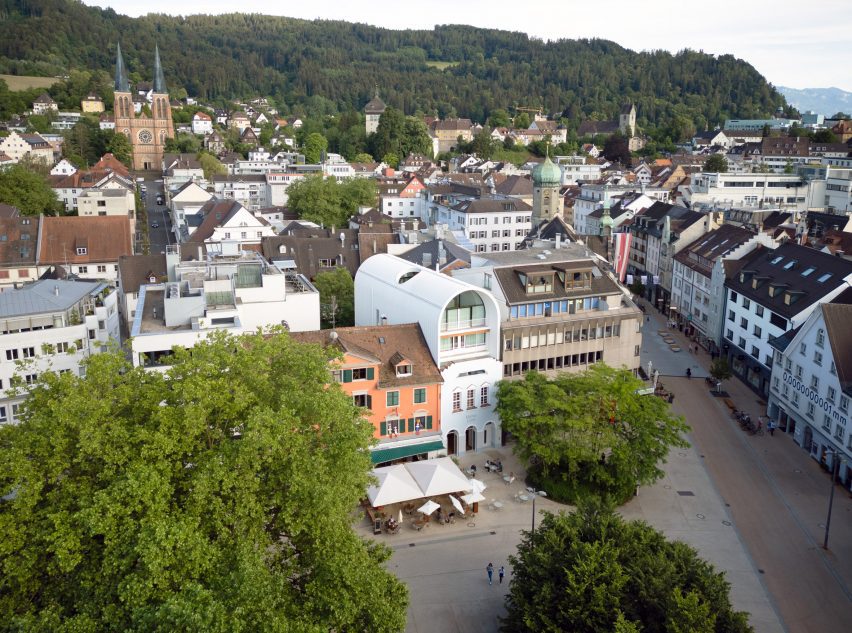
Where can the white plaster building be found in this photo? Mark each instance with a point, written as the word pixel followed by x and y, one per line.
pixel 51 325
pixel 461 325
pixel 698 279
pixel 724 191
pixel 575 169
pixel 810 393
pixel 770 293
pixel 838 190
pixel 559 309
pixel 235 294
pixel 202 123
pixel 487 224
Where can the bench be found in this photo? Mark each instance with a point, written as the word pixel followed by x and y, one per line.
pixel 730 404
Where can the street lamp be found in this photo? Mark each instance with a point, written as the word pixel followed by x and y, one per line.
pixel 536 493
pixel 835 462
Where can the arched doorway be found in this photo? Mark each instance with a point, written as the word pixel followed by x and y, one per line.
pixel 489 435
pixel 470 439
pixel 452 443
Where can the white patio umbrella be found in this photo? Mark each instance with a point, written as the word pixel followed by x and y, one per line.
pixel 429 507
pixel 473 497
pixel 476 485
pixel 438 476
pixel 457 504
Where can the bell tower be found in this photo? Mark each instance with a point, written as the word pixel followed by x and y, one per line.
pixel 146 131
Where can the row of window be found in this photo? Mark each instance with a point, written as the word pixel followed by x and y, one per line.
pixel 556 337
pixel 555 362
pixel 506 246
pixel 243 235
pixel 481 235
pixel 395 426
pixel 774 319
pixel 520 219
pixel 462 341
pixel 549 308
pixel 471 398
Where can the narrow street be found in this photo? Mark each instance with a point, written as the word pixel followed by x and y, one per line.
pixel 776 494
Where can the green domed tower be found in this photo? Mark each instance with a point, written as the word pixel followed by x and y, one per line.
pixel 547 204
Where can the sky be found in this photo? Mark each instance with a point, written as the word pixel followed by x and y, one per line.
pixel 795 44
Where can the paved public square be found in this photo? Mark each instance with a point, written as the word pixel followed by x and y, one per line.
pixel 753 506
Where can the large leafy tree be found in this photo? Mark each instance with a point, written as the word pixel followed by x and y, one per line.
pixel 593 571
pixel 337 295
pixel 28 190
pixel 216 496
pixel 588 433
pixel 717 163
pixel 315 146
pixel 329 202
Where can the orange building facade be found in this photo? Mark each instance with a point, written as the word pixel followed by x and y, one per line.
pixel 389 371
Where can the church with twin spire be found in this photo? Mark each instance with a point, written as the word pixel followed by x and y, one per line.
pixel 147 131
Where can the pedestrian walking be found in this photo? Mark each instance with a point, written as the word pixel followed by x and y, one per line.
pixel 501 573
pixel 490 570
pixel 771 427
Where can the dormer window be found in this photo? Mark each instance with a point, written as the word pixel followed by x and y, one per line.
pixel 82 250
pixel 538 282
pixel 403 370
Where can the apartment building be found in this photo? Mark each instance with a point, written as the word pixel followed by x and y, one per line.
pixel 236 294
pixel 769 293
pixel 461 325
pixel 388 370
pixel 51 325
pixel 560 310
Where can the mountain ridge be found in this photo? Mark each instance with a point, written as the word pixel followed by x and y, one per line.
pixel 827 101
pixel 328 66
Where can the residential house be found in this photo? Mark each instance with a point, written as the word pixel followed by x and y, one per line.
pixel 657 235
pixel 445 134
pixel 438 254
pixel 812 387
pixel 44 104
pixel 234 294
pixel 92 104
pixel 18 239
pixel 135 271
pixel 388 371
pixel 18 145
pixel 770 293
pixel 490 223
pixel 214 143
pixel 202 123
pixel 576 169
pixel 50 325
pixel 186 203
pixel 698 280
pixel 228 228
pixel 402 197
pixel 239 120
pixel 63 168
pixel 597 196
pixel 86 247
pixel 249 191
pixel 461 326
pixel 560 310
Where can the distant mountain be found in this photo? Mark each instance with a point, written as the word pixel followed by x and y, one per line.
pixel 324 66
pixel 825 101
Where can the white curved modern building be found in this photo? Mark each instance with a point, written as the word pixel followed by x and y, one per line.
pixel 461 325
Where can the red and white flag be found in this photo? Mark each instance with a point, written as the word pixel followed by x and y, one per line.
pixel 621 248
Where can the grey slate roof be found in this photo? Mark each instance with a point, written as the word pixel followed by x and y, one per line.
pixel 41 297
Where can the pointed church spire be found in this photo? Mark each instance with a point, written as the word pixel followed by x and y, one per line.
pixel 159 79
pixel 121 82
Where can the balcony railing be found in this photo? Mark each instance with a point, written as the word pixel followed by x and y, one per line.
pixel 462 325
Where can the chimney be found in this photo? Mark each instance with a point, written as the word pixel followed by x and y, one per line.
pixel 56 291
pixel 558 240
pixel 427 260
pixel 384 320
pixel 442 254
pixel 342 238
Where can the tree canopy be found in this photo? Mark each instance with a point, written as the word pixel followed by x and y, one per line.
pixel 716 163
pixel 217 496
pixel 399 135
pixel 592 571
pixel 329 202
pixel 337 296
pixel 588 433
pixel 28 190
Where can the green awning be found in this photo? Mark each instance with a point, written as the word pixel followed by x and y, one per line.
pixel 390 454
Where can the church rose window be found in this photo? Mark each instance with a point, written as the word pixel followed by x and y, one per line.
pixel 145 136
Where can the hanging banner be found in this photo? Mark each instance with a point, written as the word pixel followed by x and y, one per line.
pixel 644 280
pixel 656 279
pixel 629 280
pixel 621 252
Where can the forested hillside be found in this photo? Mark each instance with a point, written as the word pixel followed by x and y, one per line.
pixel 326 66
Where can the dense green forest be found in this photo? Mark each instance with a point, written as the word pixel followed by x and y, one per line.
pixel 323 67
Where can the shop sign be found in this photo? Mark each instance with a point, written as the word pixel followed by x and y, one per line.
pixel 814 397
